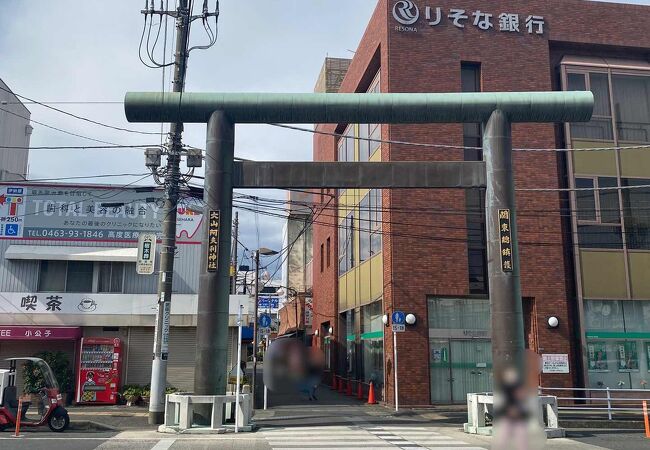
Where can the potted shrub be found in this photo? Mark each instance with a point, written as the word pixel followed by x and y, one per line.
pixel 131 393
pixel 33 377
pixel 145 393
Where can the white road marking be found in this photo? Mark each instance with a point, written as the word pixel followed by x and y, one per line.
pixel 164 444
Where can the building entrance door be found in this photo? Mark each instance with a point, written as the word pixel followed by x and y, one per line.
pixel 459 367
pixel 471 368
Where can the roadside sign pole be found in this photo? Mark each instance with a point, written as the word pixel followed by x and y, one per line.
pixel 238 368
pixel 395 370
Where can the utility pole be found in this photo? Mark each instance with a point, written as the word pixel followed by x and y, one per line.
pixel 233 287
pixel 168 238
pixel 172 179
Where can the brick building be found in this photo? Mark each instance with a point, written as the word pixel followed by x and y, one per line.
pixel 583 253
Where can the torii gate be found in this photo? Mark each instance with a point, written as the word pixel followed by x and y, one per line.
pixel 222 111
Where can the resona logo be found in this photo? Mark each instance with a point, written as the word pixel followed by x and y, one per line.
pixel 406 12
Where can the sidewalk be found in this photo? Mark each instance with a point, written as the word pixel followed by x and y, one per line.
pixel 109 417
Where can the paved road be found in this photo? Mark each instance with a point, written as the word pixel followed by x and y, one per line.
pixel 358 434
pixel 612 439
pixel 334 422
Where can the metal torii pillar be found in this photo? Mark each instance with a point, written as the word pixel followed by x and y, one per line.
pixel 222 111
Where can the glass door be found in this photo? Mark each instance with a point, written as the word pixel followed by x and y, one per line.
pixel 471 368
pixel 440 364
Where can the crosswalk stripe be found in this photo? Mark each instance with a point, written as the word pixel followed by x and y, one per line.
pixel 337 448
pixel 323 439
pixel 361 438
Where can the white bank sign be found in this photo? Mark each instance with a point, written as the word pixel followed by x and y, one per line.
pixel 407 15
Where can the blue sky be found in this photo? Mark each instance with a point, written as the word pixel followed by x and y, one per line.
pixel 87 50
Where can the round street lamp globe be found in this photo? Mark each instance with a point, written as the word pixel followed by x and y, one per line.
pixel 384 319
pixel 410 319
pixel 553 322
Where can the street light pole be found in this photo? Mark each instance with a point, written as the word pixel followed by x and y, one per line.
pixel 266 252
pixel 256 297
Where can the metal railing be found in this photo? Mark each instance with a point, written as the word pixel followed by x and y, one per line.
pixel 599 400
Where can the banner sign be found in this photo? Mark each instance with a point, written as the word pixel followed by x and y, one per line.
pixel 628 358
pixel 18 333
pixel 506 240
pixel 597 356
pixel 213 240
pixel 81 213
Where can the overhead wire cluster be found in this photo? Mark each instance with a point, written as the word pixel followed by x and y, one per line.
pixel 150 13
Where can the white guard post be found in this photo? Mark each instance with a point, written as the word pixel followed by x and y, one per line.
pixel 480 404
pixel 179 412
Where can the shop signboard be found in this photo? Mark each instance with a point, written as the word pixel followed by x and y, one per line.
pixel 597 356
pixel 628 357
pixel 83 213
pixel 268 303
pixel 555 363
pixel 146 253
pixel 309 311
pixel 38 333
pixel 408 16
pixel 60 304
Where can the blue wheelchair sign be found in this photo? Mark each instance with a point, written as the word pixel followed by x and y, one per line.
pixel 265 321
pixel 11 229
pixel 398 318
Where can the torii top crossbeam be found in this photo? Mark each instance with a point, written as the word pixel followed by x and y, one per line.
pixel 359 108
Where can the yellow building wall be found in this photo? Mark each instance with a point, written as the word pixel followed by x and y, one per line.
pixel 364 283
pixel 596 162
pixel 603 274
pixel 640 274
pixel 635 163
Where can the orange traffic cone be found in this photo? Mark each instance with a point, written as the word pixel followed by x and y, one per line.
pixel 359 391
pixel 371 395
pixel 348 389
pixel 334 382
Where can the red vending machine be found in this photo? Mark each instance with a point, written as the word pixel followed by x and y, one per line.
pixel 99 370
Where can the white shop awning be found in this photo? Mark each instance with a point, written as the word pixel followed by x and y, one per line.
pixel 61 253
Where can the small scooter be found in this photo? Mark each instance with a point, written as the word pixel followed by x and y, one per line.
pixel 52 411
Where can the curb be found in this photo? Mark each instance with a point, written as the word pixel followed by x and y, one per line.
pixel 89 425
pixel 603 424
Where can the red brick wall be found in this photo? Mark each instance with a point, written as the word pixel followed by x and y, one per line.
pixel 424 242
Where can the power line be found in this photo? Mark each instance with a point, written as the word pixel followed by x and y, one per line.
pixel 85 119
pixel 453 147
pixel 77 147
pixel 57 129
pixel 429 225
pixel 34 180
pixel 559 243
